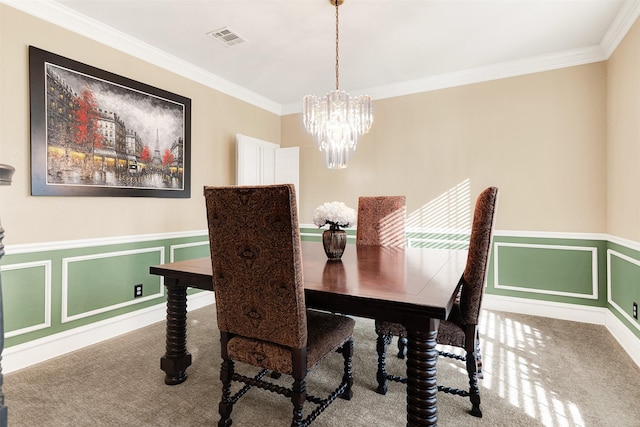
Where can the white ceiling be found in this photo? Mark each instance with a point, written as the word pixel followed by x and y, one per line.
pixel 387 47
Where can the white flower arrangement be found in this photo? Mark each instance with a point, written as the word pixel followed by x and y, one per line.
pixel 336 214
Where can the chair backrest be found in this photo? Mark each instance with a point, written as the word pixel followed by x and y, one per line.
pixel 381 221
pixel 257 262
pixel 475 272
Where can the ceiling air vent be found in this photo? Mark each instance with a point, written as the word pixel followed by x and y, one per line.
pixel 226 36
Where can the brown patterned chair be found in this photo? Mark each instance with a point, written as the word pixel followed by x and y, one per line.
pixel 260 303
pixel 461 327
pixel 381 220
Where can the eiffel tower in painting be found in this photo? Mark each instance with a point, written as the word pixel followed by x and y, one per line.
pixel 156 160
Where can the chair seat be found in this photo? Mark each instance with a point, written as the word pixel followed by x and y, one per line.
pixel 326 332
pixel 449 333
pixel 452 331
pixel 389 328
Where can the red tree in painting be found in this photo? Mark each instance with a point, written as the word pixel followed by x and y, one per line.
pixel 146 154
pixel 167 158
pixel 87 120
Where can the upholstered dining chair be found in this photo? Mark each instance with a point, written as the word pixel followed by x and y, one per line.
pixel 461 327
pixel 381 220
pixel 260 303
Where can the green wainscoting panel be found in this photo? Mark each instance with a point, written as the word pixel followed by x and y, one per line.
pixel 414 239
pixel 49 291
pixel 187 251
pixel 626 274
pixel 623 284
pixel 436 240
pixel 26 282
pixel 190 251
pixel 311 234
pixel 88 283
pixel 102 281
pixel 314 234
pixel 563 270
pixel 547 269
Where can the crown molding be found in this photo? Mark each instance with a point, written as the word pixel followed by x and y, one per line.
pixel 620 26
pixel 67 18
pixel 503 70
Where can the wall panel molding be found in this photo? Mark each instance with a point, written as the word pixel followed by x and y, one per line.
pixel 552 303
pixel 46 264
pixel 174 248
pixel 102 241
pixel 67 262
pixel 621 311
pixel 593 294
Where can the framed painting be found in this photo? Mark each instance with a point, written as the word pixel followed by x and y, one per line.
pixel 95 133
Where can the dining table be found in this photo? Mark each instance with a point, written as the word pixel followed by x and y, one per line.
pixel 416 287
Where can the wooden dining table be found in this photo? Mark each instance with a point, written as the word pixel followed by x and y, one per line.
pixel 413 286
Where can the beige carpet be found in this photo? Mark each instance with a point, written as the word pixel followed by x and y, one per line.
pixel 538 372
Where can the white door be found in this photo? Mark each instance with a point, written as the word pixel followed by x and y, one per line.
pixel 287 166
pixel 261 162
pixel 255 161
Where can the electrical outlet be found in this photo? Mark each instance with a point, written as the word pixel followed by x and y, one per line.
pixel 635 310
pixel 137 290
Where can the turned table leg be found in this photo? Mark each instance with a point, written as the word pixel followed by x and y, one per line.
pixel 422 389
pixel 176 359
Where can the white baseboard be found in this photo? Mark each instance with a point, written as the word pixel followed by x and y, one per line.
pixel 23 355
pixel 577 313
pixel 553 310
pixel 624 336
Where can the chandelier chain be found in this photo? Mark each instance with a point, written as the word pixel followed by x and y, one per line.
pixel 336 119
pixel 337 54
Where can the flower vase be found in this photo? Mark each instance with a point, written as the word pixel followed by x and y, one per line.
pixel 334 241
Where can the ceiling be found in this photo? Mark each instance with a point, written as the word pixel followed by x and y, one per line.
pixel 387 47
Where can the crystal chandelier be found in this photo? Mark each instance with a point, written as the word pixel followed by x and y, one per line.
pixel 336 119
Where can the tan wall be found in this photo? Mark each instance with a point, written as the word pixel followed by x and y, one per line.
pixel 540 138
pixel 623 138
pixel 216 118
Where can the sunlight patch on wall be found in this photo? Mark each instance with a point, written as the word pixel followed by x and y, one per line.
pixel 444 222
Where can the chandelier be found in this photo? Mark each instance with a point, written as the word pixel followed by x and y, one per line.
pixel 336 119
